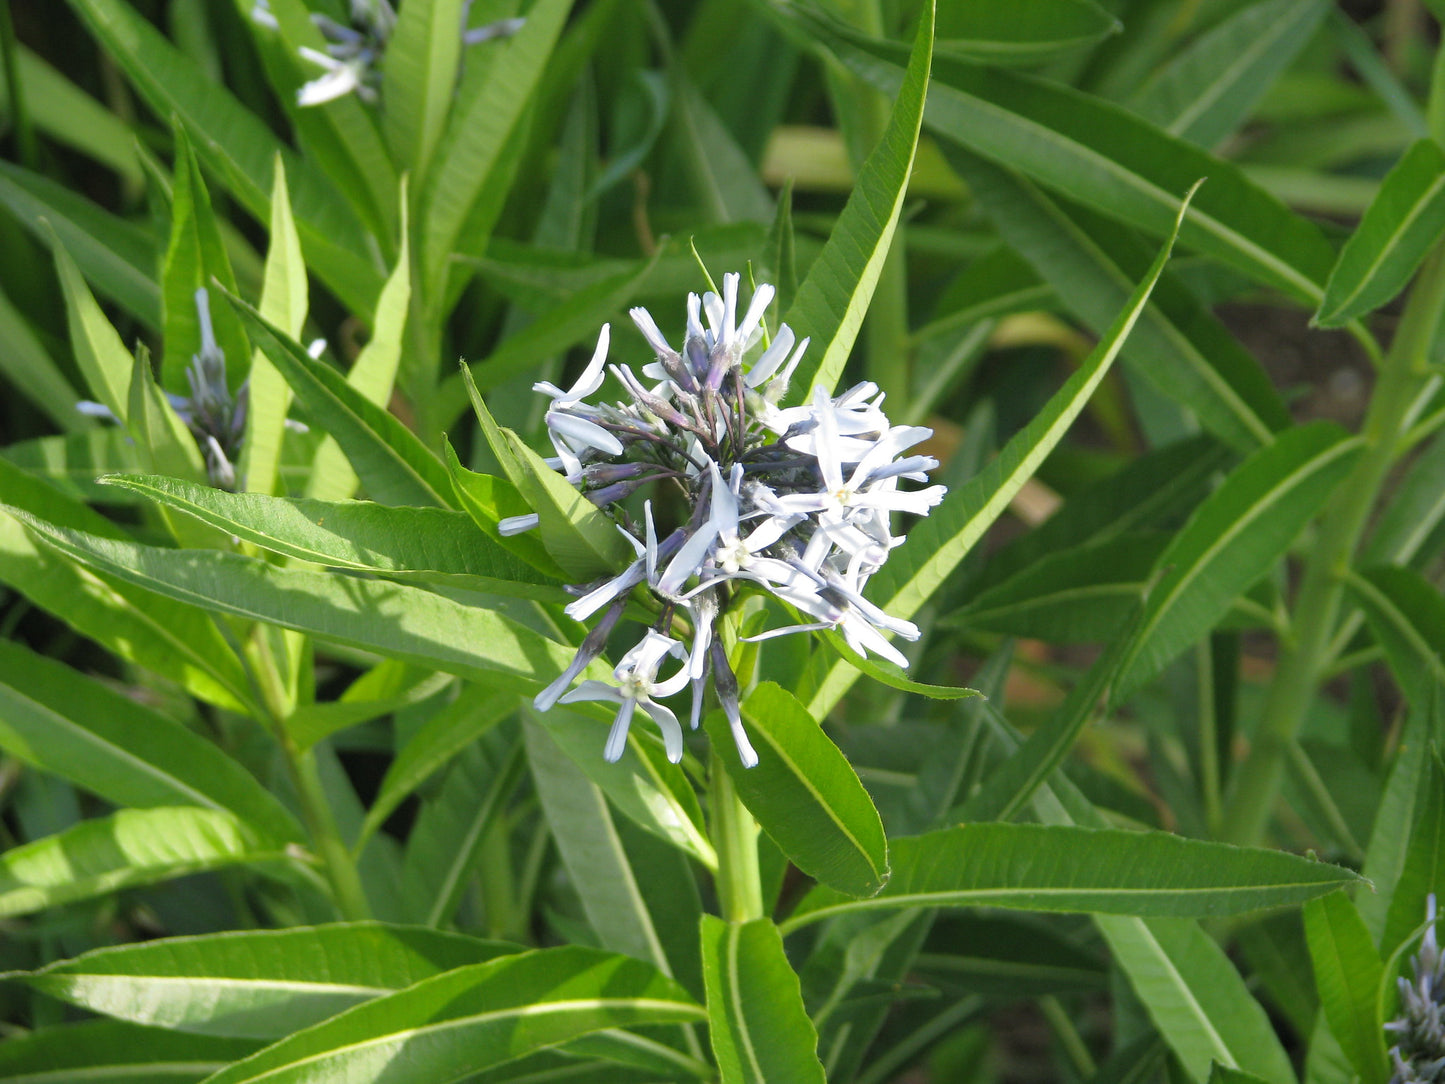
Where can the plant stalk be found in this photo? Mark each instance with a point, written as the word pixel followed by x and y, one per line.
pixel 341 872
pixel 735 836
pixel 1255 786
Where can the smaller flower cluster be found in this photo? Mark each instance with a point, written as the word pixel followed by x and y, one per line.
pixel 1419 1055
pixel 795 502
pixel 353 53
pixel 215 417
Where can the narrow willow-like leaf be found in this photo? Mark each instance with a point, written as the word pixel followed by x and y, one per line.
pixel 283 302
pixel 236 146
pixel 759 1029
pixel 1422 874
pixel 592 852
pixel 432 545
pixel 259 984
pixel 1208 90
pixel 1101 155
pixel 422 56
pixel 374 372
pixel 65 723
pixel 109 1052
pixel 1084 593
pixel 102 358
pixel 30 370
pixel 453 1025
pixel 404 622
pixel 175 640
pixel 1233 539
pixel 579 537
pixel 403 686
pixel 643 785
pixel 1178 345
pixel 1103 871
pixel 489 500
pixel 804 793
pixel 165 444
pixel 482 121
pixel 195 256
pixel 1398 229
pixel 397 466
pixel 1407 616
pixel 996 34
pixel 834 295
pixel 129 848
pixel 119 257
pixel 71 116
pixel 1348 974
pixel 724 180
pixel 475 711
pixel 938 543
pixel 1188 986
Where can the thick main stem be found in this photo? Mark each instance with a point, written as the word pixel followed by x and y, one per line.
pixel 1255 786
pixel 336 860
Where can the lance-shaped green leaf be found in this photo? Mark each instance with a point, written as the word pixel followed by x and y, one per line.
pixel 1084 593
pixel 1348 974
pixel 283 302
pixel 1038 867
pixel 237 146
pixel 176 641
pixel 373 374
pixel 643 785
pixel 397 466
pixel 489 500
pixel 839 285
pixel 65 723
pixel 939 542
pixel 109 1052
pixel 28 367
pixel 804 793
pixel 996 34
pixel 475 711
pixel 582 540
pixel 1178 345
pixel 118 256
pixel 395 619
pixel 1233 539
pixel 260 984
pixel 1209 88
pixel 592 852
pixel 1422 874
pixel 422 56
pixel 388 687
pixel 195 256
pixel 489 106
pixel 1190 988
pixel 759 1029
pixel 1102 156
pixel 1398 229
pixel 428 545
pixel 129 848
pixel 472 1018
pixel 1407 616
pixel 102 358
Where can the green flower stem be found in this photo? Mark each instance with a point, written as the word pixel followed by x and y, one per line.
pixel 735 837
pixel 1255 786
pixel 336 860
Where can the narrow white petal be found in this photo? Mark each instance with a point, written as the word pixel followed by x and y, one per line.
pixel 511 525
pixel 671 729
pixel 584 432
pixel 617 736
